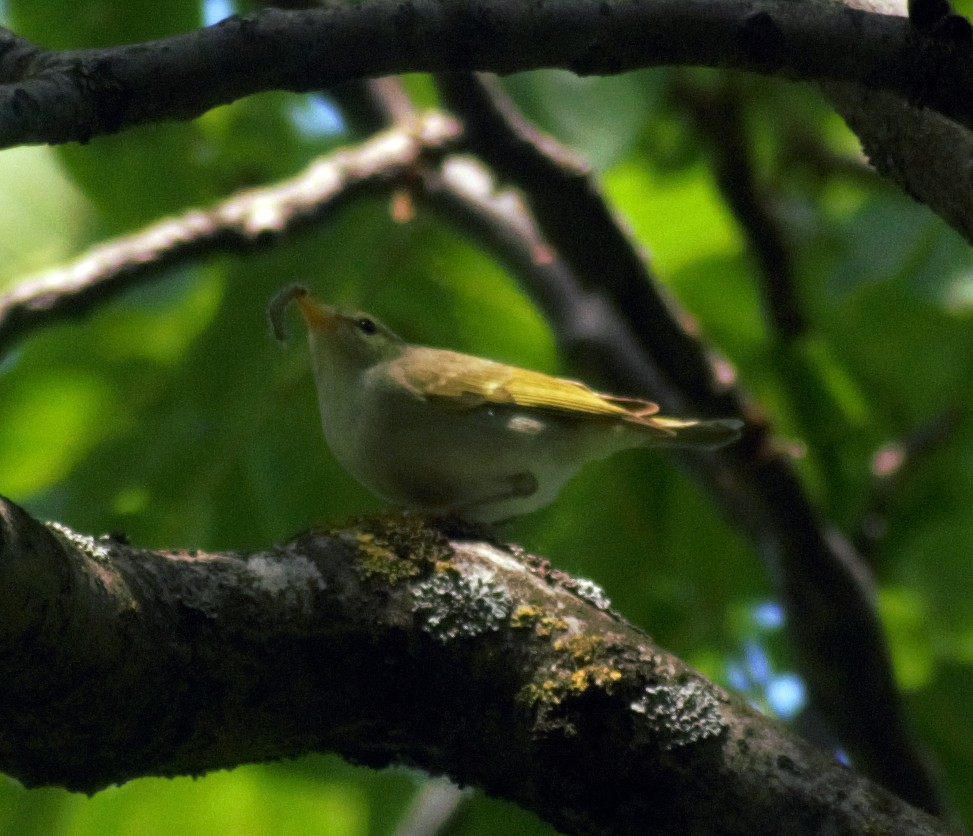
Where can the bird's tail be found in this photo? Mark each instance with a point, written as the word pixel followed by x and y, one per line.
pixel 677 432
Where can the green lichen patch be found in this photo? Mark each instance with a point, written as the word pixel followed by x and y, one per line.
pixel 377 559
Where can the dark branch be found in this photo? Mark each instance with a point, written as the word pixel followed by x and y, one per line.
pixel 248 219
pixel 716 115
pixel 56 97
pixel 824 585
pixel 389 643
pixel 887 65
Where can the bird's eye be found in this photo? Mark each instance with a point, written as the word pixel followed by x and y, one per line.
pixel 367 326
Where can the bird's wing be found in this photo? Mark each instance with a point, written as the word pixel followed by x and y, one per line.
pixel 466 382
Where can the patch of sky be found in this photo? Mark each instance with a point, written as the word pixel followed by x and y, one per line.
pixel 735 676
pixel 758 665
pixel 752 673
pixel 315 117
pixel 9 359
pixel 214 11
pixel 786 695
pixel 769 615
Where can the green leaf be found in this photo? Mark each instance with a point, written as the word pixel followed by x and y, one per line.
pixel 43 214
pixel 95 23
pixel 600 117
pixel 906 619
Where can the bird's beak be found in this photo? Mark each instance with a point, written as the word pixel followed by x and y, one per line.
pixel 319 317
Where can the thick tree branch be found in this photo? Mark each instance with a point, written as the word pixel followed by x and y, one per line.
pixel 247 219
pixel 52 96
pixel 907 94
pixel 389 643
pixel 926 154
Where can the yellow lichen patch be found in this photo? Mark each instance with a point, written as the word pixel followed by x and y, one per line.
pixel 600 676
pixel 524 616
pixel 548 691
pixel 527 616
pixel 548 624
pixel 575 671
pixel 579 680
pixel 583 647
pixel 377 560
pixel 531 694
pixel 399 546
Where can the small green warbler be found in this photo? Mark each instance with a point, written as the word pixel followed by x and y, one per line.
pixel 447 433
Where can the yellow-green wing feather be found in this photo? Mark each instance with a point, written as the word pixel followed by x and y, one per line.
pixel 466 382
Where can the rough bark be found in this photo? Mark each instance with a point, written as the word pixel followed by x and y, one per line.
pixel 390 641
pixel 62 96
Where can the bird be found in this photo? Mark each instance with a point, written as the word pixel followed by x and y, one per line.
pixel 455 435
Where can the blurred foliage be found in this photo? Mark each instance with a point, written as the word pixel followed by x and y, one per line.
pixel 171 415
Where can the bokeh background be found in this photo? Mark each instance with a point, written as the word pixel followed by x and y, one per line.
pixel 170 414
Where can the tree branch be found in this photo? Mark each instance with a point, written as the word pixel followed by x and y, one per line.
pixel 824 585
pixel 53 96
pixel 389 643
pixel 906 93
pixel 926 154
pixel 246 220
pixel 719 121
